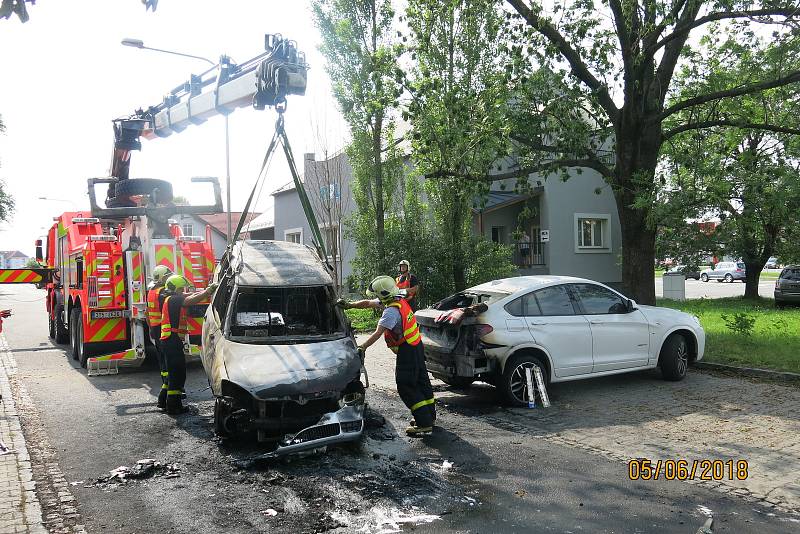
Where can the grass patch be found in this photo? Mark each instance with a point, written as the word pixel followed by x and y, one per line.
pixel 363 320
pixel 753 333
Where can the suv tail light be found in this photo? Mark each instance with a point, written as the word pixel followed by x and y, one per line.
pixel 738 270
pixel 483 330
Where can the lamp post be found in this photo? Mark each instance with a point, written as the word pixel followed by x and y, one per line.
pixel 138 43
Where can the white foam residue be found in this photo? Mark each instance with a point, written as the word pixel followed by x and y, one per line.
pixel 705 510
pixel 379 520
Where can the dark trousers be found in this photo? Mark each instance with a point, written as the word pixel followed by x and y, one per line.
pixel 155 336
pixel 413 383
pixel 176 368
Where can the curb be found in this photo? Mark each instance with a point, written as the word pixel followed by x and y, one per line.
pixel 750 371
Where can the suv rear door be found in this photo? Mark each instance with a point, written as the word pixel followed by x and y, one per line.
pixel 554 323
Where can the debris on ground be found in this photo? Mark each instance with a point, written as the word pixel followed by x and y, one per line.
pixel 146 468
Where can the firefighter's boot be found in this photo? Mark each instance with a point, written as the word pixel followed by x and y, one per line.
pixel 415 431
pixel 175 404
pixel 162 398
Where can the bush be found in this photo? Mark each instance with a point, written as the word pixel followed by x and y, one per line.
pixel 739 323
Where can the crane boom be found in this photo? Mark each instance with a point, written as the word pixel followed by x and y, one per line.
pixel 265 80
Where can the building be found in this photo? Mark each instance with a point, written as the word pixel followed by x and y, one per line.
pixel 196 225
pixel 327 184
pixel 13 259
pixel 573 228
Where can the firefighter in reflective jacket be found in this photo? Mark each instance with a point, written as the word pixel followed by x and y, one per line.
pixel 155 301
pixel 409 282
pixel 173 331
pixel 398 327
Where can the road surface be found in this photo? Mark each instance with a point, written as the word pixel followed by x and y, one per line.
pixel 712 289
pixel 487 469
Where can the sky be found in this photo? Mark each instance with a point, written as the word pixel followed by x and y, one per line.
pixel 64 76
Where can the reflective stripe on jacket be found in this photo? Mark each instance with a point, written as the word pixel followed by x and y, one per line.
pixel 410 330
pixel 403 282
pixel 173 315
pixel 153 308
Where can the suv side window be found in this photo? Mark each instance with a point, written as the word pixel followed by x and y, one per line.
pixel 598 300
pixel 221 299
pixel 524 306
pixel 554 301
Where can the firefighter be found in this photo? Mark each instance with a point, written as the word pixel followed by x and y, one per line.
pixel 399 329
pixel 409 282
pixel 173 330
pixel 155 301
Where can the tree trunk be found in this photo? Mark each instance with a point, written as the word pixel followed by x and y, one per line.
pixel 457 238
pixel 752 277
pixel 380 233
pixel 637 156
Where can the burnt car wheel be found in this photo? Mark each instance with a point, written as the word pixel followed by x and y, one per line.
pixel 514 382
pixel 221 411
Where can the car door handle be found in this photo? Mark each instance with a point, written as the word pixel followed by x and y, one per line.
pixel 596 322
pixel 537 323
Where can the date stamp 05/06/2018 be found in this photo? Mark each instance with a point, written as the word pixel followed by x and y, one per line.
pixel 716 470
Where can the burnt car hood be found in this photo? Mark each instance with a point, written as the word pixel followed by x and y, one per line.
pixel 269 371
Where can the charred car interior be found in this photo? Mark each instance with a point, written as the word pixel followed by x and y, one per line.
pixel 279 355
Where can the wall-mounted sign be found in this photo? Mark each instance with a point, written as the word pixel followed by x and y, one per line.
pixel 544 235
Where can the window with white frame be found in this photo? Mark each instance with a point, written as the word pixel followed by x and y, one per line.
pixel 188 228
pixel 592 232
pixel 293 235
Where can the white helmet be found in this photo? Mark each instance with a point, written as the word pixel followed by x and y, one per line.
pixel 383 288
pixel 405 262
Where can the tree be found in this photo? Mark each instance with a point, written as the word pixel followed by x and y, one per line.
pixel 748 177
pixel 6 200
pixel 361 59
pixel 457 98
pixel 593 94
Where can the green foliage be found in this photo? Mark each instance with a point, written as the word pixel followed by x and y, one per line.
pixel 490 261
pixel 739 323
pixel 773 341
pixel 746 177
pixel 362 320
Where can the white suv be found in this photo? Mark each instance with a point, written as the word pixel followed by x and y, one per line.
pixel 571 328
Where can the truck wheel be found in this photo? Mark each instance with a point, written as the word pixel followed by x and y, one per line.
pixel 61 334
pixel 75 336
pixel 51 327
pixel 458 382
pixel 125 189
pixel 674 358
pixel 513 384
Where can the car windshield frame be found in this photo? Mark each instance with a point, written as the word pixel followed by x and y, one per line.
pixel 339 329
pixel 493 298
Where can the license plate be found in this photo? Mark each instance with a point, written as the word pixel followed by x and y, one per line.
pixel 112 314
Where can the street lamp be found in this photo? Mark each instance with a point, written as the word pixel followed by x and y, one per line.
pixel 138 43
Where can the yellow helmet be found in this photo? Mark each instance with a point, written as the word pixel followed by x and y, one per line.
pixel 160 273
pixel 176 282
pixel 383 288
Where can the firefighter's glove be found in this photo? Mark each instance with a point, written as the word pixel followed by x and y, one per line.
pixel 343 304
pixel 211 288
pixel 362 352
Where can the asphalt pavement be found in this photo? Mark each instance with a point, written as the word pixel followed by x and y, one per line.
pixel 481 471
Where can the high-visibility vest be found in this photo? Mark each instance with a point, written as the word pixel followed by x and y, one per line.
pixel 168 318
pixel 153 308
pixel 409 328
pixel 403 282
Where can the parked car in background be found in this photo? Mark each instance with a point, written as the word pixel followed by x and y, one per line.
pixel 687 272
pixel 725 270
pixel 772 263
pixel 570 328
pixel 787 286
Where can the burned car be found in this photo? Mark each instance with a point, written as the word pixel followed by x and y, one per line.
pixel 280 357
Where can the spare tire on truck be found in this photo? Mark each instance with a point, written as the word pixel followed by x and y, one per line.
pixel 125 189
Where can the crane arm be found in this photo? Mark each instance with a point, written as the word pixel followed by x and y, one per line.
pixel 265 80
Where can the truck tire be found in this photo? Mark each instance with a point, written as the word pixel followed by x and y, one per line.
pixel 674 358
pixel 512 384
pixel 51 327
pixel 61 334
pixel 74 340
pixel 125 189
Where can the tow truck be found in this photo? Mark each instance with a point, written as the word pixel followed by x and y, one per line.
pixel 98 261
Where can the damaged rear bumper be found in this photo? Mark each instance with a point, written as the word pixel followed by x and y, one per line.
pixel 344 425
